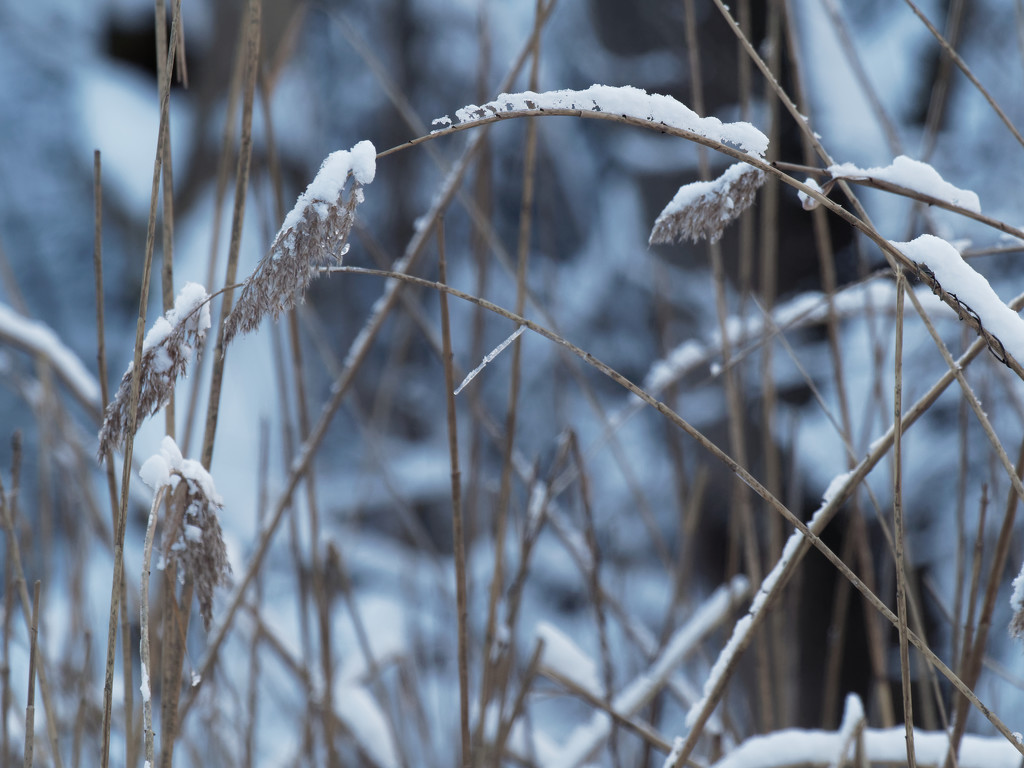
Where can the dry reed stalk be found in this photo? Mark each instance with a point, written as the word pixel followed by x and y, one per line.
pixel 458 536
pixel 33 654
pixel 131 421
pixel 8 513
pixel 339 389
pixel 492 655
pixel 898 529
pixel 962 65
pixel 808 537
pixel 252 22
pixel 147 698
pixel 101 366
pixel 174 651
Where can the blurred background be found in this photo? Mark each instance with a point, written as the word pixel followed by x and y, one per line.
pixel 665 521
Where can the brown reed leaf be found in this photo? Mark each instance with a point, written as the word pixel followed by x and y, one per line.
pixel 314 234
pixel 166 353
pixel 704 209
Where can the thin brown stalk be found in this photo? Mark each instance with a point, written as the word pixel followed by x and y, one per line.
pixel 973 666
pixel 768 259
pixel 974 663
pixel 336 565
pixel 532 669
pixel 223 168
pixel 459 542
pixel 491 658
pixel 849 50
pixel 30 708
pixel 741 523
pixel 179 615
pixel 836 639
pixel 5 648
pixel 596 593
pixel 898 530
pixel 939 100
pixel 304 456
pixel 108 463
pixel 808 536
pixel 252 52
pixel 957 622
pixel 619 719
pixel 8 510
pixel 252 700
pixel 147 669
pixel 974 591
pixel 117 587
pixel 962 65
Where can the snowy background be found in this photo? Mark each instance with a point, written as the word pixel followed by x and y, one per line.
pixel 76 77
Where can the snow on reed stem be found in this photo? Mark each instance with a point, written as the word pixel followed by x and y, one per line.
pixel 145 669
pixel 950 276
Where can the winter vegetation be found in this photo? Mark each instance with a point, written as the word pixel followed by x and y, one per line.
pixel 638 415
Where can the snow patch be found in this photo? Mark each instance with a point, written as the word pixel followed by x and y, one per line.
pixel 626 101
pixel 971 288
pixel 329 182
pixel 914 175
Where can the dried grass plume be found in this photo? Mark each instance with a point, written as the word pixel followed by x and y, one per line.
pixel 192 536
pixel 314 234
pixel 704 209
pixel 166 353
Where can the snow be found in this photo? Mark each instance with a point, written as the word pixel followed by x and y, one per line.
pixel 835 486
pixel 157 333
pixel 585 739
pixel 695 192
pixel 914 175
pixel 144 685
pixel 326 187
pixel 490 356
pixel 359 711
pixel 811 747
pixel 683 358
pixel 119 114
pixel 155 472
pixel 971 288
pixel 161 468
pixel 1017 599
pixel 803 309
pixel 190 298
pixel 39 339
pixel 705 208
pixel 566 658
pixel 627 101
pixel 808 202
